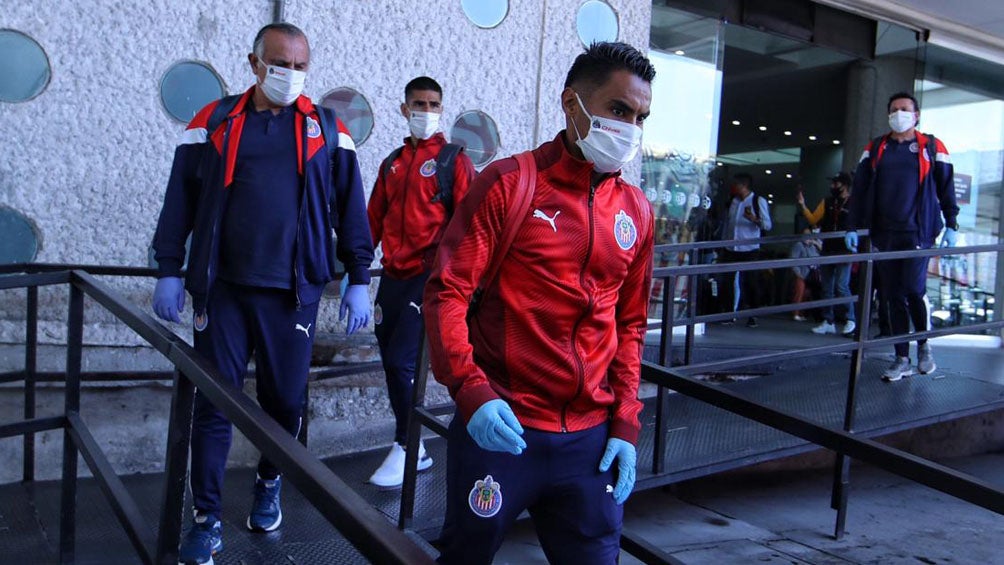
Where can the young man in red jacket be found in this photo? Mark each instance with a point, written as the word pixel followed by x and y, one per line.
pixel 417 189
pixel 545 374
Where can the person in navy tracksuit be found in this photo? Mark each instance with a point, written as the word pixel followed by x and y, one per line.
pixel 260 195
pixel 903 186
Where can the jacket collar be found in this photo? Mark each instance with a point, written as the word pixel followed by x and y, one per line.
pixel 566 169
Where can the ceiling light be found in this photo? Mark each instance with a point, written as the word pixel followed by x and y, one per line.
pixel 679 52
pixel 770 196
pixel 762 128
pixel 787 175
pixel 812 138
pixel 768 171
pixel 787 132
pixel 719 163
pixel 736 122
pixel 836 142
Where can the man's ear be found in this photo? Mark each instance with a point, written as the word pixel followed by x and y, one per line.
pixel 569 104
pixel 405 112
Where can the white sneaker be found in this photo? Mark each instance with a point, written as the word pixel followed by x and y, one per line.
pixel 848 327
pixel 390 473
pixel 825 328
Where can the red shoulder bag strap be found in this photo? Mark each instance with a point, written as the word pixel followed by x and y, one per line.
pixel 518 208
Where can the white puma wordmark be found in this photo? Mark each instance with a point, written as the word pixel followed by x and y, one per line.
pixel 305 330
pixel 538 213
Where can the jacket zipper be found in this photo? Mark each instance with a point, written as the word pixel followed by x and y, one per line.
pixel 589 306
pixel 404 190
pixel 299 217
pixel 213 242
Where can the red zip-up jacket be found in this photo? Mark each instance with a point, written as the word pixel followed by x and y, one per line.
pixel 401 212
pixel 559 335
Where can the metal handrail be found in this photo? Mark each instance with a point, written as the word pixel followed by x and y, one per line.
pixel 362 525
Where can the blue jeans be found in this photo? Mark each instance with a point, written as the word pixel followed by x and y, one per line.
pixel 837 282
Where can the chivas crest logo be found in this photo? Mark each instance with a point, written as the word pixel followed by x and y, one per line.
pixel 485 498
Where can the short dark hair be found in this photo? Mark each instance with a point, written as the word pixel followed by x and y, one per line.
pixel 745 179
pixel 258 47
pixel 422 83
pixel 899 96
pixel 599 60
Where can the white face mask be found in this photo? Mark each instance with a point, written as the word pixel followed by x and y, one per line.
pixel 282 86
pixel 423 124
pixel 609 144
pixel 901 121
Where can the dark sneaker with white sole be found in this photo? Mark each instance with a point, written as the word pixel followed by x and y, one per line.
pixel 265 512
pixel 202 540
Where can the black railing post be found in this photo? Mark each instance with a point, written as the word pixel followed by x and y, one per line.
pixel 30 373
pixel 842 466
pixel 68 502
pixel 179 436
pixel 665 359
pixel 410 486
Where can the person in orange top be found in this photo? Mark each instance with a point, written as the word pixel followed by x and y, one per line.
pixel 417 188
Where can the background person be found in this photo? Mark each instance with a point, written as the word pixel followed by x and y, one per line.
pixel 831 216
pixel 259 194
pixel 408 211
pixel 903 186
pixel 748 218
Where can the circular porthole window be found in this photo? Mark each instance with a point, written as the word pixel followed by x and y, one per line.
pixel 353 110
pixel 485 13
pixel 18 238
pixel 596 22
pixel 23 66
pixel 477 133
pixel 188 86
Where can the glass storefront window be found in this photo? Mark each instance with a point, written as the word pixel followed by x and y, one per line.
pixel 958 92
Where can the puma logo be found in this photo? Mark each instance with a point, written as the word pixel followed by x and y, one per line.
pixel 417 307
pixel 538 213
pixel 305 330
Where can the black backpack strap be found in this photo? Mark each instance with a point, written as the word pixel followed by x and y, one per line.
pixel 444 175
pixel 388 162
pixel 329 128
pixel 221 111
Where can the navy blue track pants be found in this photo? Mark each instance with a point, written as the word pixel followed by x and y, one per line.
pixel 243 320
pixel 903 288
pixel 398 326
pixel 555 479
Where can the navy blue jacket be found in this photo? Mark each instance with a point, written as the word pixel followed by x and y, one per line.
pixel 936 187
pixel 332 201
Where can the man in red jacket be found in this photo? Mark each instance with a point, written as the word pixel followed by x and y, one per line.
pixel 416 191
pixel 545 374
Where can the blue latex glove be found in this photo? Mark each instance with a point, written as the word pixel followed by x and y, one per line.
pixel 495 428
pixel 950 238
pixel 355 303
pixel 851 241
pixel 169 298
pixel 627 460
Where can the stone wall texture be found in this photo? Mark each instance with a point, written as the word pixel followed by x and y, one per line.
pixel 88 160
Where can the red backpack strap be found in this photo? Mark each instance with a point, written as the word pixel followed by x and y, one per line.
pixel 518 208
